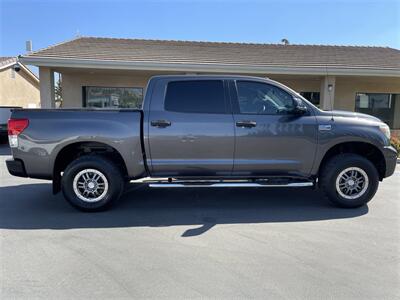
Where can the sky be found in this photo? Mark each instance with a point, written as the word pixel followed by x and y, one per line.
pixel 351 22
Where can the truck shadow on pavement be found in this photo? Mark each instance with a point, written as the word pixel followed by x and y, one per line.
pixel 32 206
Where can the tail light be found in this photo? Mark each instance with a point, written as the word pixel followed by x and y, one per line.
pixel 15 127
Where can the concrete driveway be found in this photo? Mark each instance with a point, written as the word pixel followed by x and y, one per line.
pixel 198 243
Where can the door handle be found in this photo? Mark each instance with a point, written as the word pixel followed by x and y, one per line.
pixel 160 123
pixel 247 124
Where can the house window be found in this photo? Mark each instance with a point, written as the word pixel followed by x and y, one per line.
pixel 313 97
pixel 382 106
pixel 112 97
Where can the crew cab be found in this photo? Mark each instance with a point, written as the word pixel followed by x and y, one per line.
pixel 203 131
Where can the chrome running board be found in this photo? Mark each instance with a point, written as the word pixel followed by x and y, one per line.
pixel 227 184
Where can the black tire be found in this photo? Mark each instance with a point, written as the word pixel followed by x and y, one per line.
pixel 332 169
pixel 115 182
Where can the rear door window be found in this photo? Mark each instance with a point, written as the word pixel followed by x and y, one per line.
pixel 196 96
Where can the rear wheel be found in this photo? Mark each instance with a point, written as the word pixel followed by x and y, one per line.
pixel 349 180
pixel 92 183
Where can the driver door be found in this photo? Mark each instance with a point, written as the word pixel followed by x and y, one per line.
pixel 269 139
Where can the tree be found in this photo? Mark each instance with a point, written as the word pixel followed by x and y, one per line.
pixel 285 41
pixel 58 92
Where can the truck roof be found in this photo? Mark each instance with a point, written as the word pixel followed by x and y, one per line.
pixel 213 76
pixel 221 77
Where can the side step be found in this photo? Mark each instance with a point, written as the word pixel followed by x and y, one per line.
pixel 193 184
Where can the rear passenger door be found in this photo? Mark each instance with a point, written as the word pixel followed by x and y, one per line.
pixel 191 131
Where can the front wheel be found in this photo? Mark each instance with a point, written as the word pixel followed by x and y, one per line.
pixel 349 180
pixel 92 183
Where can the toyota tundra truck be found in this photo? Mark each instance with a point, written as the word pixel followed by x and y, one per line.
pixel 203 131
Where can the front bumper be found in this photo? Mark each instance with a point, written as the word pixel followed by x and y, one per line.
pixel 390 159
pixel 16 167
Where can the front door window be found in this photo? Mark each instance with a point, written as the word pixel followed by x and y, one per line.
pixel 263 99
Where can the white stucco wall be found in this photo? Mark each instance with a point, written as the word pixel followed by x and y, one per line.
pixel 18 89
pixel 347 87
pixel 72 84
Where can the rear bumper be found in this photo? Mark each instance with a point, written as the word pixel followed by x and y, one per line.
pixel 16 167
pixel 390 159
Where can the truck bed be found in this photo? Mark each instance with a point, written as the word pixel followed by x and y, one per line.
pixel 51 130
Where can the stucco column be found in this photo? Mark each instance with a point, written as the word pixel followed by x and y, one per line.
pixel 327 92
pixel 46 76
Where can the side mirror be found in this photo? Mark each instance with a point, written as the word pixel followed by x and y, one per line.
pixel 299 107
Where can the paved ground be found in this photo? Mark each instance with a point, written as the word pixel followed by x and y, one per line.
pixel 192 243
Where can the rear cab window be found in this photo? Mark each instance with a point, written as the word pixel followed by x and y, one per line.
pixel 196 96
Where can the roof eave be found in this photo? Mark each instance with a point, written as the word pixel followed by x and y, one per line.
pixel 217 68
pixel 29 72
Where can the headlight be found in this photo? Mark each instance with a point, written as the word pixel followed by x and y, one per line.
pixel 385 129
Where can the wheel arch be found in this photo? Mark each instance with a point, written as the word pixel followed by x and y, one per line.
pixel 365 149
pixel 73 150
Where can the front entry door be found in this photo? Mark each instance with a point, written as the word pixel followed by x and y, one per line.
pixel 191 132
pixel 269 139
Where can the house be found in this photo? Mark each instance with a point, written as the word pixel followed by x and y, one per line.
pixel 110 72
pixel 18 85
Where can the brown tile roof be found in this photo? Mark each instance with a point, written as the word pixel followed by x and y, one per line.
pixel 6 60
pixel 260 55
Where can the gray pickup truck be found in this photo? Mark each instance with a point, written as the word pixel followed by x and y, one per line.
pixel 203 131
